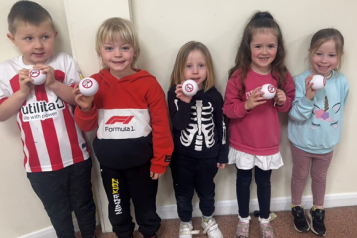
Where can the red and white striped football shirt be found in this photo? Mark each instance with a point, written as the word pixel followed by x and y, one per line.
pixel 51 139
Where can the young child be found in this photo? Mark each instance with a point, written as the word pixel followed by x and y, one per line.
pixel 254 123
pixel 199 137
pixel 133 143
pixel 57 161
pixel 315 126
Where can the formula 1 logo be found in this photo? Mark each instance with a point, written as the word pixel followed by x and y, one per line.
pixel 119 119
pixel 34 73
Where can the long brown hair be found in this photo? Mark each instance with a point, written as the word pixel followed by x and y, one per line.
pixel 260 22
pixel 178 72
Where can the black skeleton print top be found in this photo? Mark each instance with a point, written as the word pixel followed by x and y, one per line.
pixel 199 127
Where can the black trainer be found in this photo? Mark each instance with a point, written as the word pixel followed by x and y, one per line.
pixel 300 223
pixel 317 218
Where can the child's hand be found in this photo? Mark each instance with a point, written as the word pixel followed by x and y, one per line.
pixel 221 166
pixel 255 99
pixel 25 82
pixel 155 176
pixel 310 93
pixel 180 95
pixel 280 97
pixel 84 102
pixel 50 74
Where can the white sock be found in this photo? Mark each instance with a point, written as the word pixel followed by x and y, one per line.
pixel 245 219
pixel 263 220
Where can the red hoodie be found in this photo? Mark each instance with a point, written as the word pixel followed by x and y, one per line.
pixel 256 132
pixel 132 120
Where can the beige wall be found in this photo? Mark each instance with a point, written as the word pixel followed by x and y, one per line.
pixel 163 27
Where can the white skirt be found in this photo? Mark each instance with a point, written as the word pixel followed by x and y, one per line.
pixel 247 161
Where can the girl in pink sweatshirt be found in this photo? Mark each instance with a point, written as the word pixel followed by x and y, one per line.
pixel 254 124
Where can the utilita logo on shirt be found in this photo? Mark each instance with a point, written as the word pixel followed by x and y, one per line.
pixel 121 120
pixel 42 110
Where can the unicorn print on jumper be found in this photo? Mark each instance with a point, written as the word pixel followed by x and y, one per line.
pixel 326 114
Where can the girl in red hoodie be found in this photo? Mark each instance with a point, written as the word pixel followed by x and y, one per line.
pixel 254 124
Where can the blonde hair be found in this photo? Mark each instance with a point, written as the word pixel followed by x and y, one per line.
pixel 178 73
pixel 114 27
pixel 324 35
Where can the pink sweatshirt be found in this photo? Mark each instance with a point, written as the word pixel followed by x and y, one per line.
pixel 255 132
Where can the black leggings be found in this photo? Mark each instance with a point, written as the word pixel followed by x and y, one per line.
pixel 262 179
pixel 190 174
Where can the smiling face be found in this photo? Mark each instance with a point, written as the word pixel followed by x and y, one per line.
pixel 195 68
pixel 118 56
pixel 263 47
pixel 324 59
pixel 36 43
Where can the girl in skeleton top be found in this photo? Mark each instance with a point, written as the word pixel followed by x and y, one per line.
pixel 254 124
pixel 200 145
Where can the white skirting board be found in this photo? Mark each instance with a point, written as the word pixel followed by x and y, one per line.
pixel 229 207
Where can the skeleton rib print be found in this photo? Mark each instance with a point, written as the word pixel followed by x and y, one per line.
pixel 201 127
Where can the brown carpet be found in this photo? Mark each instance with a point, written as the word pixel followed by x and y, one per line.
pixel 340 223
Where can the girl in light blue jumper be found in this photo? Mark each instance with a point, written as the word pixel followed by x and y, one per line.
pixel 315 126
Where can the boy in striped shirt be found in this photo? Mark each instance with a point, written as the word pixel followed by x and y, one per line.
pixel 57 159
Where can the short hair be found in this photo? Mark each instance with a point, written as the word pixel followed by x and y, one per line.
pixel 178 72
pixel 27 12
pixel 325 35
pixel 114 27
